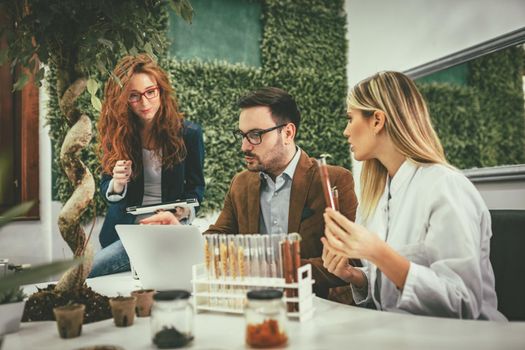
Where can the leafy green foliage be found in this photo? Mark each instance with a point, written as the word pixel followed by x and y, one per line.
pixel 497 79
pixel 483 123
pixel 83 38
pixel 451 108
pixel 13 295
pixel 36 274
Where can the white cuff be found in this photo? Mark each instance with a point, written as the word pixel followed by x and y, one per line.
pixel 361 295
pixel 407 295
pixel 114 197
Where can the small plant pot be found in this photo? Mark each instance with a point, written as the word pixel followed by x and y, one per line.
pixel 144 301
pixel 69 320
pixel 123 310
pixel 10 316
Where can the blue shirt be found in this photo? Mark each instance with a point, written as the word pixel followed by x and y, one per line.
pixel 275 199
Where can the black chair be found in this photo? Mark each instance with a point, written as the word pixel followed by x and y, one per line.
pixel 507 254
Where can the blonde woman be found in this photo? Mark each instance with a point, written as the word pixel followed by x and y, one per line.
pixel 423 228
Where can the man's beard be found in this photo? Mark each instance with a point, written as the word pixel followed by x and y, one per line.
pixel 272 162
pixel 256 165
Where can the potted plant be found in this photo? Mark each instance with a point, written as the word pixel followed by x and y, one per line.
pixel 11 308
pixel 11 294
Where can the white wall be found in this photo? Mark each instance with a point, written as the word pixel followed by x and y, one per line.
pixel 29 242
pixel 402 34
pixel 503 195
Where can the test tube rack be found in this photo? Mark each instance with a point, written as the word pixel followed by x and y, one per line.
pixel 229 295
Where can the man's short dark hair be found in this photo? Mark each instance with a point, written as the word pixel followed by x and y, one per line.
pixel 281 104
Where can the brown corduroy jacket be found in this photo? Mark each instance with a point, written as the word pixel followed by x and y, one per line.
pixel 241 211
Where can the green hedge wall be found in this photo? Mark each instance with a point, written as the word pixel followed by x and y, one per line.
pixel 482 123
pixel 303 51
pixel 497 78
pixel 451 108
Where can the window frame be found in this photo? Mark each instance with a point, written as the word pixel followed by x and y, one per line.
pixel 19 115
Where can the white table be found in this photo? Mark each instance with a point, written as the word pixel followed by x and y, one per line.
pixel 334 326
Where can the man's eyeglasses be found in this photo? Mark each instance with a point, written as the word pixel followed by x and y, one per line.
pixel 135 97
pixel 254 137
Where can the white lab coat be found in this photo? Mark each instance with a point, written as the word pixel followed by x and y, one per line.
pixel 437 219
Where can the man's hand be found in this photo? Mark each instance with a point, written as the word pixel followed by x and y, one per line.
pixel 161 218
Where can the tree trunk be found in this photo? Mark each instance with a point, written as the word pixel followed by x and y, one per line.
pixel 82 181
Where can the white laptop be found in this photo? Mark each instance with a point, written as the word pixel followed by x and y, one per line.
pixel 163 255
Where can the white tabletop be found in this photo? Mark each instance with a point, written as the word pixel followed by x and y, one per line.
pixel 334 326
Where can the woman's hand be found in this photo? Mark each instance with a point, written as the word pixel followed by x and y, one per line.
pixel 161 218
pixel 121 175
pixel 340 266
pixel 346 238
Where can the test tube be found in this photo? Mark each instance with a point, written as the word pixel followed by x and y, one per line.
pixel 232 268
pixel 245 241
pixel 325 180
pixel 208 261
pixel 255 270
pixel 287 268
pixel 263 261
pixel 295 243
pixel 278 256
pixel 232 257
pixel 208 254
pixel 270 257
pixel 223 254
pixel 335 194
pixel 242 267
pixel 215 270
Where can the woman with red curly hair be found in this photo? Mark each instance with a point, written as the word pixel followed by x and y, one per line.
pixel 148 153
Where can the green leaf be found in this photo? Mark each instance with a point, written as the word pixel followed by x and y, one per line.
pixel 15 212
pixel 92 86
pixel 183 9
pixel 149 49
pixel 95 102
pixel 133 51
pixel 36 274
pixel 106 43
pixel 21 82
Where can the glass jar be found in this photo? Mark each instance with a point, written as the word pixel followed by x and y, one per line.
pixel 171 319
pixel 265 314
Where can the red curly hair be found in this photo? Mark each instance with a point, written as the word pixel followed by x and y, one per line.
pixel 119 128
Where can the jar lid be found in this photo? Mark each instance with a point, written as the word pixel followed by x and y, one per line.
pixel 171 295
pixel 264 294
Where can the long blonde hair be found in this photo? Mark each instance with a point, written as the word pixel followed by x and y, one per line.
pixel 407 122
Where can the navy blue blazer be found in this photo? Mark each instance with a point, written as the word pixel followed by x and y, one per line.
pixel 184 180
